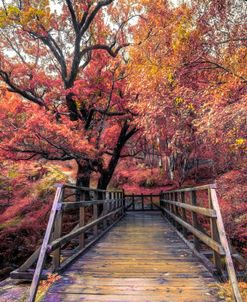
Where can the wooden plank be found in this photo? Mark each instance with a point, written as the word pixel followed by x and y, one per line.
pixel 42 255
pixel 224 242
pixel 141 259
pixel 207 263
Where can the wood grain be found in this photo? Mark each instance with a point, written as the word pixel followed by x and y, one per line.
pixel 141 259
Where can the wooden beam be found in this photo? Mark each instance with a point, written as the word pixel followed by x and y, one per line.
pixel 184 217
pixel 204 238
pixel 66 238
pixel 224 243
pixel 199 188
pixel 42 255
pixel 30 261
pixel 82 223
pixel 56 234
pixel 69 186
pixel 215 236
pixel 194 220
pixel 77 204
pixel 95 214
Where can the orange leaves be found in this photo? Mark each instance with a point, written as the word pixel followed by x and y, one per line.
pixel 28 131
pixel 33 16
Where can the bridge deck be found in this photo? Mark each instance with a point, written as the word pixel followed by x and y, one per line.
pixel 140 259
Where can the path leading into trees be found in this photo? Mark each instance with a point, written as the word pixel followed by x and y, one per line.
pixel 142 258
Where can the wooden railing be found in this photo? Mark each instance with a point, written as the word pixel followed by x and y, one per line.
pixel 195 212
pixel 141 202
pixel 94 213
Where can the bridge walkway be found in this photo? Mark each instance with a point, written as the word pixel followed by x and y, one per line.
pixel 141 258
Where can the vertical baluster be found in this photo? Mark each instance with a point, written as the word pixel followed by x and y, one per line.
pixel 82 220
pixel 151 200
pixel 113 205
pixel 194 219
pixel 172 207
pixel 182 197
pixel 119 199
pixel 215 236
pixel 142 199
pixel 110 205
pixel 161 197
pixel 124 200
pixel 133 200
pixel 57 232
pixel 95 213
pixel 104 197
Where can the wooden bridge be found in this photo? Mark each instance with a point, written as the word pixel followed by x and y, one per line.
pixel 108 246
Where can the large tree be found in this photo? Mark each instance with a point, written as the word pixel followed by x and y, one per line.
pixel 69 98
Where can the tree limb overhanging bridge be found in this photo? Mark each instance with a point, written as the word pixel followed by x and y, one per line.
pixel 108 246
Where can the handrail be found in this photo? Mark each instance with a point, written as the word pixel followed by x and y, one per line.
pixel 112 207
pixel 84 188
pixel 197 188
pixel 176 211
pixel 198 210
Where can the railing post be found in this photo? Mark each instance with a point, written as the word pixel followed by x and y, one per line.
pixel 133 201
pixel 124 201
pixel 82 220
pixel 114 205
pixel 215 236
pixel 107 205
pixel 182 196
pixel 114 200
pixel 151 200
pixel 110 205
pixel 118 199
pixel 95 214
pixel 142 199
pixel 173 208
pixel 104 197
pixel 194 219
pixel 161 203
pixel 224 243
pixel 43 250
pixel 176 208
pixel 56 234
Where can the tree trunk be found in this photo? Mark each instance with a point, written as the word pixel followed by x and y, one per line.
pixel 83 175
pixel 107 173
pixel 83 179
